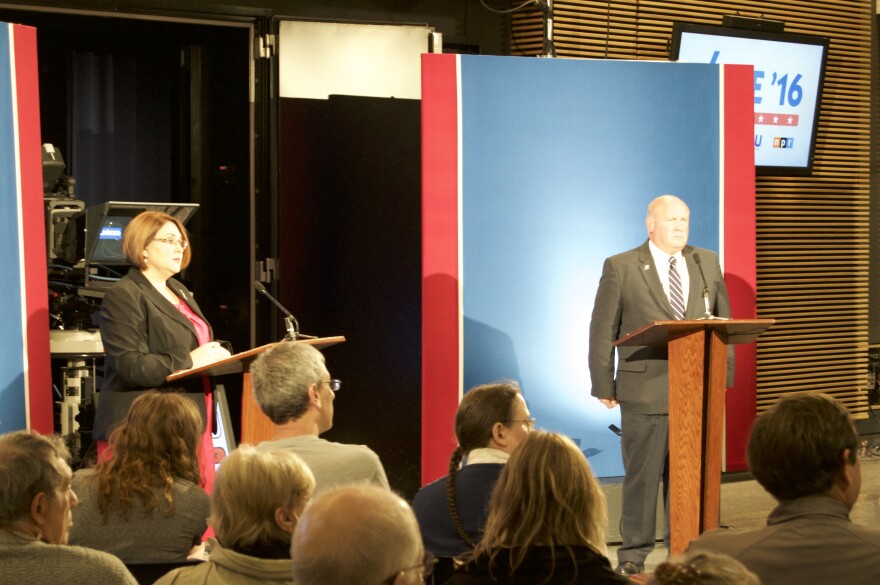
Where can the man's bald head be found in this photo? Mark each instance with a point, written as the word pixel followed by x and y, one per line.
pixel 668 222
pixel 355 535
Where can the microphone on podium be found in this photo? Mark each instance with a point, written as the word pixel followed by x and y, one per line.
pixel 290 322
pixel 708 314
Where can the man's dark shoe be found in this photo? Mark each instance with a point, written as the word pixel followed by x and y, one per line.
pixel 629 568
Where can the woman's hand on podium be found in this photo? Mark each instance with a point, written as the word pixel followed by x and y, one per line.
pixel 208 354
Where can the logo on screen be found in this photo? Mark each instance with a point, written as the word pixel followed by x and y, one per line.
pixel 782 142
pixel 110 232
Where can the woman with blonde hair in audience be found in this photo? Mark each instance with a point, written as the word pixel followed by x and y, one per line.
pixel 144 503
pixel 547 521
pixel 258 498
pixel 491 422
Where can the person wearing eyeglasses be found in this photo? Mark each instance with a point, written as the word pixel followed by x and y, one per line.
pixel 151 327
pixel 293 388
pixel 36 503
pixel 359 535
pixel 491 422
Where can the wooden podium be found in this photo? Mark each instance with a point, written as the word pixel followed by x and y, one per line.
pixel 697 383
pixel 255 426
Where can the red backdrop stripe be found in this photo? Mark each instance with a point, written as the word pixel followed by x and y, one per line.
pixel 36 309
pixel 441 313
pixel 739 250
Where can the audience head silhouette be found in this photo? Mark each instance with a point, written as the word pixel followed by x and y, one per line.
pixel 703 568
pixel 259 495
pixel 493 416
pixel 806 445
pixel 157 443
pixel 546 497
pixel 290 385
pixel 358 535
pixel 36 499
pixel 547 494
pixel 35 494
pixel 804 451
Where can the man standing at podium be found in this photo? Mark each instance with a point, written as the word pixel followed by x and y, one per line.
pixel 663 279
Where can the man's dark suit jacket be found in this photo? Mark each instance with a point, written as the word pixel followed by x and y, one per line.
pixel 630 296
pixel 145 338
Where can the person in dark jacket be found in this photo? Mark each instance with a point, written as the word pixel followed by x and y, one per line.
pixel 151 327
pixel 804 451
pixel 547 520
pixel 491 422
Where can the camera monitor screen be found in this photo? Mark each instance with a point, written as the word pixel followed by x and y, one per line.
pixel 106 222
pixel 788 78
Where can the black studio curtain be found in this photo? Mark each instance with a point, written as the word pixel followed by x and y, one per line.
pixel 123 108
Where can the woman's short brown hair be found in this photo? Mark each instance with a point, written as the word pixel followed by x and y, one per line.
pixel 140 232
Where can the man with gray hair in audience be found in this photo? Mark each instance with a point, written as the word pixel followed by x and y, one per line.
pixel 359 535
pixel 35 519
pixel 804 451
pixel 293 388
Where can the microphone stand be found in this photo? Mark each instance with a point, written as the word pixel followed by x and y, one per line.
pixel 290 322
pixel 708 314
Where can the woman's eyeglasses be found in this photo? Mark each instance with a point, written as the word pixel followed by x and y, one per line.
pixel 171 240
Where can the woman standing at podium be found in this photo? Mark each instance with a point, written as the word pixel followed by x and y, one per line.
pixel 151 326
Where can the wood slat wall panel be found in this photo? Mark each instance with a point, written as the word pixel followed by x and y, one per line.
pixel 812 232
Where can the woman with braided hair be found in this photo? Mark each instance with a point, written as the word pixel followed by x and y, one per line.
pixel 701 568
pixel 491 422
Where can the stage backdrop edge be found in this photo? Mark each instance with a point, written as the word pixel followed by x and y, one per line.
pixel 25 379
pixel 479 173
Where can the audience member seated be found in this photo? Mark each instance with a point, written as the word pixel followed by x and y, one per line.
pixel 547 520
pixel 803 451
pixel 700 569
pixel 35 504
pixel 258 498
pixel 293 388
pixel 491 422
pixel 142 502
pixel 359 535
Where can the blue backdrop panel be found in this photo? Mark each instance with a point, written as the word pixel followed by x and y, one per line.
pixel 12 396
pixel 557 173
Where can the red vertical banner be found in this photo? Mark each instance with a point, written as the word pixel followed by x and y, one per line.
pixel 739 250
pixel 441 309
pixel 38 374
pixel 27 394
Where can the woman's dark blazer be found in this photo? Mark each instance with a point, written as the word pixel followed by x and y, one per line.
pixel 145 338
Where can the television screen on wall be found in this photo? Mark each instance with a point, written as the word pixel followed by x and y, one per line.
pixel 789 73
